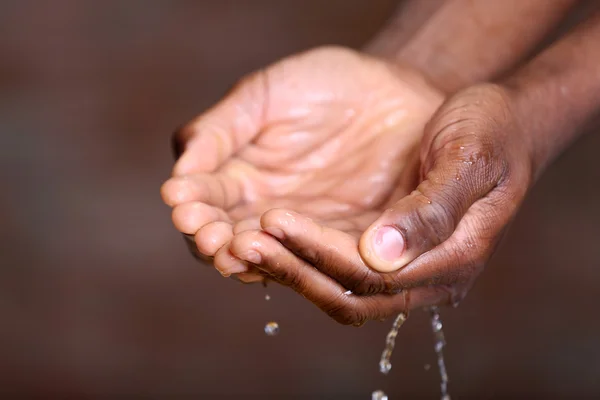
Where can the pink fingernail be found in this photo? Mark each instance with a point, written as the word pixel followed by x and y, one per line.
pixel 388 243
pixel 237 267
pixel 253 257
pixel 233 266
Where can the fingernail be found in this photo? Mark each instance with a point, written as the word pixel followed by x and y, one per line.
pixel 249 277
pixel 235 267
pixel 275 232
pixel 253 257
pixel 388 243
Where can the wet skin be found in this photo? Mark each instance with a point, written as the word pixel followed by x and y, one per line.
pixel 331 171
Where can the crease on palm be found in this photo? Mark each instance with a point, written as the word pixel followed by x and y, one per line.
pixel 337 162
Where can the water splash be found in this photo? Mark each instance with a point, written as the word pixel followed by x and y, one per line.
pixel 385 364
pixel 379 395
pixel 439 343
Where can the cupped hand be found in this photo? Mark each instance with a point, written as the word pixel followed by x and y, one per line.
pixel 431 244
pixel 330 134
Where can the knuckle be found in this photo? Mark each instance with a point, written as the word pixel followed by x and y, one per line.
pixel 434 222
pixel 290 277
pixel 342 311
pixel 363 281
pixel 347 318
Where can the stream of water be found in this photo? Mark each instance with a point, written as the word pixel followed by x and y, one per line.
pixel 385 364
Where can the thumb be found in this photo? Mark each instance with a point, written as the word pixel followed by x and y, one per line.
pixel 214 136
pixel 460 168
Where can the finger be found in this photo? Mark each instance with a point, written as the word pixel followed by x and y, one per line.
pixel 210 139
pixel 188 218
pixel 190 242
pixel 246 225
pixel 352 225
pixel 333 252
pixel 270 256
pixel 318 208
pixel 250 277
pixel 219 190
pixel 463 255
pixel 462 172
pixel 211 237
pixel 227 264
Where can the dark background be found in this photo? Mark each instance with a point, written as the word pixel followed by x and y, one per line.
pixel 98 295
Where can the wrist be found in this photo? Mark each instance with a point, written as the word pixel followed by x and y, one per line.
pixel 550 116
pixel 558 93
pixel 458 43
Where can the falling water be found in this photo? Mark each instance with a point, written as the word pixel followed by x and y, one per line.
pixel 272 327
pixel 385 364
pixel 439 343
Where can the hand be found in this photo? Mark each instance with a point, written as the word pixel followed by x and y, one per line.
pixel 330 133
pixel 475 171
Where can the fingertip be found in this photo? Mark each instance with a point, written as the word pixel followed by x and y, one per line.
pixel 251 246
pixel 190 217
pixel 280 222
pixel 186 218
pixel 185 165
pixel 227 264
pixel 383 248
pixel 212 236
pixel 176 191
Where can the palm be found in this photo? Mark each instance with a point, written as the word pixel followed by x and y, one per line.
pixel 338 131
pixel 330 133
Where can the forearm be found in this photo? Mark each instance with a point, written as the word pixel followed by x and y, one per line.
pixel 558 92
pixel 460 42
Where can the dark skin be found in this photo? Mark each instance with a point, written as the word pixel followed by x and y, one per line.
pixel 454 181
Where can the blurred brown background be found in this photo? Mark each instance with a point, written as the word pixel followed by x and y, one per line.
pixel 99 298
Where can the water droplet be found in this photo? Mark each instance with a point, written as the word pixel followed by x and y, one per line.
pixel 427 367
pixel 457 177
pixel 272 328
pixel 267 297
pixel 347 293
pixel 379 395
pixel 385 366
